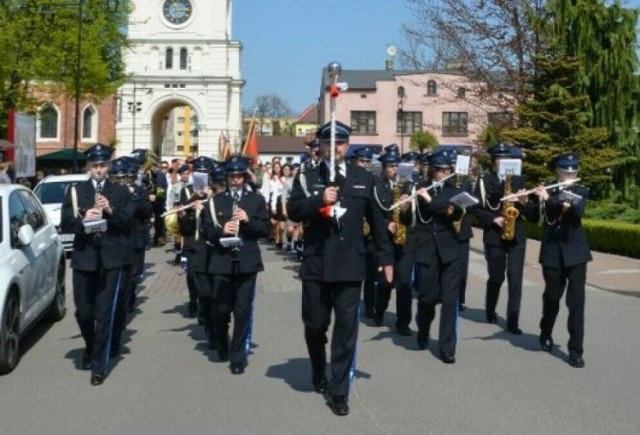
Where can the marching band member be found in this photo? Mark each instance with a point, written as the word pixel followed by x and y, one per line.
pixel 564 254
pixel 504 254
pixel 100 215
pixel 362 159
pixel 437 256
pixel 333 264
pixel 236 215
pixel 386 192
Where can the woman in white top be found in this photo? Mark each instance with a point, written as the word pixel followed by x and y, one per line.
pixel 276 186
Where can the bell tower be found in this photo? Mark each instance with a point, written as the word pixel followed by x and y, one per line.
pixel 181 56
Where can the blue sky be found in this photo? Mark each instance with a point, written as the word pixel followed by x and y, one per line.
pixel 288 42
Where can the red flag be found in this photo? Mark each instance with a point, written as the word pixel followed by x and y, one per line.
pixel 250 148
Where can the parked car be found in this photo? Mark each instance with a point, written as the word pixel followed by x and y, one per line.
pixel 51 191
pixel 32 270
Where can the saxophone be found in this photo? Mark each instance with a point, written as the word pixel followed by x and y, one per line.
pixel 509 212
pixel 400 236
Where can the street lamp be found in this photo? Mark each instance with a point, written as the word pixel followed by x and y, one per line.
pixel 401 97
pixel 112 7
pixel 134 107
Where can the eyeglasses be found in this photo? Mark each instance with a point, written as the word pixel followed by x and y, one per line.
pixel 164 167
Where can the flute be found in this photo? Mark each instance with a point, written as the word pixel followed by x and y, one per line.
pixel 178 209
pixel 411 197
pixel 530 191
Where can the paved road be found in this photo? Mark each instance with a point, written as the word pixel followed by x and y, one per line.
pixel 167 382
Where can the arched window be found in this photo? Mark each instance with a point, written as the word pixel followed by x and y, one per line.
pixel 48 122
pixel 431 87
pixel 89 123
pixel 183 58
pixel 168 58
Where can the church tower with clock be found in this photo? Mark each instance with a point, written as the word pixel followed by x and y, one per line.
pixel 181 57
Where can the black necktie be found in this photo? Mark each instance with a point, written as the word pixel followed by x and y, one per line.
pixel 236 197
pixel 98 188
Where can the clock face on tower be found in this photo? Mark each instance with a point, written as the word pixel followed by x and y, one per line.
pixel 177 11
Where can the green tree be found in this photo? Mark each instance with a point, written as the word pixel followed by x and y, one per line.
pixel 423 140
pixel 602 35
pixel 39 40
pixel 556 120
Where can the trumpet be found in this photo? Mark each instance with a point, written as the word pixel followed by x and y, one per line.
pixel 513 196
pixel 178 209
pixel 414 195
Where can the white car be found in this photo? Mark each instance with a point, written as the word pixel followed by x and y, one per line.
pixel 51 191
pixel 32 270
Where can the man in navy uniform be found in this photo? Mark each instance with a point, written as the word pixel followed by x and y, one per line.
pixel 237 213
pixel 503 256
pixel 362 158
pixel 384 195
pixel 564 253
pixel 97 259
pixel 333 264
pixel 437 256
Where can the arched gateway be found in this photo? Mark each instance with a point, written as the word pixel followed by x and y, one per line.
pixel 181 56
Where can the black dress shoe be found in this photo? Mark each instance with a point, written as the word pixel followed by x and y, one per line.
pixel 447 358
pixel 423 339
pixel 368 314
pixel 223 353
pixel 514 330
pixel 405 332
pixel 97 380
pixel 576 361
pixel 546 343
pixel 378 319
pixel 86 361
pixel 492 318
pixel 461 307
pixel 320 386
pixel 236 368
pixel 338 405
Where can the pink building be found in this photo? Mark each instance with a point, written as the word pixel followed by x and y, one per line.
pixel 378 103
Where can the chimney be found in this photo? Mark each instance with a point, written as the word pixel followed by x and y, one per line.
pixel 388 65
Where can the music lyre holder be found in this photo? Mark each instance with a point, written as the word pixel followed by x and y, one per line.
pixel 95 226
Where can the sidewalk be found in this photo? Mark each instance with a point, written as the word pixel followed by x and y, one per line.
pixel 607 272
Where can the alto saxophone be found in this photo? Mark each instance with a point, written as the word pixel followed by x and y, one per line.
pixel 509 212
pixel 400 236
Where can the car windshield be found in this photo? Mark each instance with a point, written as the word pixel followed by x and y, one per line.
pixel 51 193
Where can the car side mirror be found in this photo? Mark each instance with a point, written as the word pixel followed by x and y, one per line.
pixel 25 235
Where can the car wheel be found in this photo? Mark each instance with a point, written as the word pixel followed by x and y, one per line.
pixel 58 307
pixel 10 334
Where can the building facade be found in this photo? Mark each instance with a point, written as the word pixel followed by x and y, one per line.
pixel 181 54
pixel 387 106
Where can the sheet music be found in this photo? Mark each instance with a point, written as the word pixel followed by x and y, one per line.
pixel 570 197
pixel 510 167
pixel 200 181
pixel 462 164
pixel 464 200
pixel 405 172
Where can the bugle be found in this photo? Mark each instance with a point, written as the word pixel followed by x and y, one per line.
pixel 513 196
pixel 414 195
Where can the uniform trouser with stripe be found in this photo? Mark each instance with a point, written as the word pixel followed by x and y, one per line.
pixel 507 257
pixel 234 295
pixel 206 296
pixel 402 273
pixel 556 280
pixel 438 282
pixel 369 285
pixel 95 295
pixel 191 275
pixel 121 307
pixel 318 300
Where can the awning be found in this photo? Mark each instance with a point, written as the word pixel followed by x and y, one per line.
pixel 5 145
pixel 64 155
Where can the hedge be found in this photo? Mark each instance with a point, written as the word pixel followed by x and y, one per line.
pixel 613 237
